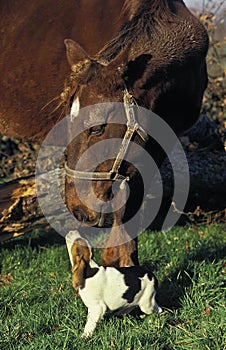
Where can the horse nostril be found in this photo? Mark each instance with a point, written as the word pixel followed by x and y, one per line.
pixel 80 214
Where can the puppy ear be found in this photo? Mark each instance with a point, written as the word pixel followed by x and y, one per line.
pixel 80 257
pixel 78 273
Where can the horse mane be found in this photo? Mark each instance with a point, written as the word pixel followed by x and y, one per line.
pixel 143 16
pixel 133 7
pixel 77 77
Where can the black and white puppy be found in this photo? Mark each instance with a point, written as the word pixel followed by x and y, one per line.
pixel 118 289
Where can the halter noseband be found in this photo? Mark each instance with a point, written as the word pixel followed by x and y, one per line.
pixel 132 127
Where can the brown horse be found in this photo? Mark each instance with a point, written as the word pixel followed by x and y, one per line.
pixel 153 50
pixel 32 62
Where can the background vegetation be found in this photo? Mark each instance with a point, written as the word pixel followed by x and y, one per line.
pixel 213 16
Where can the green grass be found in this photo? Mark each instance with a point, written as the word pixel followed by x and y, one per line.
pixel 38 308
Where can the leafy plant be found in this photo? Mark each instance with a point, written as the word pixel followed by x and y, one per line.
pixel 213 16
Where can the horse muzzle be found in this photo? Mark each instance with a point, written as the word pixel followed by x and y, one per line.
pixel 89 218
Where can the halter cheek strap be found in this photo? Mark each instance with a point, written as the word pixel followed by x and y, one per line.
pixel 132 127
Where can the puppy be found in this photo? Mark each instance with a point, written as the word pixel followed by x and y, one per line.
pixel 118 289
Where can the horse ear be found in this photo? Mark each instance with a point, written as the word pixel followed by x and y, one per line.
pixel 75 53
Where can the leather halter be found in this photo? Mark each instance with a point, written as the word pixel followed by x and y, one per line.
pixel 132 127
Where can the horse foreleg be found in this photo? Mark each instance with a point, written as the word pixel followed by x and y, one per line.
pixel 121 249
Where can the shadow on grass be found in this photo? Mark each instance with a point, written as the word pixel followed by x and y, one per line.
pixel 35 240
pixel 172 289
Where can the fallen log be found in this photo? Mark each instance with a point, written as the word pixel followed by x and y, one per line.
pixel 20 212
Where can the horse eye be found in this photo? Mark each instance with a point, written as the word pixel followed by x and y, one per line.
pixel 96 130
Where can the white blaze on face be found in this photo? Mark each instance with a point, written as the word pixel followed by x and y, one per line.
pixel 75 109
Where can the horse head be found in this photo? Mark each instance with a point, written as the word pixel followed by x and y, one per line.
pixel 102 86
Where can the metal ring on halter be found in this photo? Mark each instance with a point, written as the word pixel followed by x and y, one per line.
pixel 132 127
